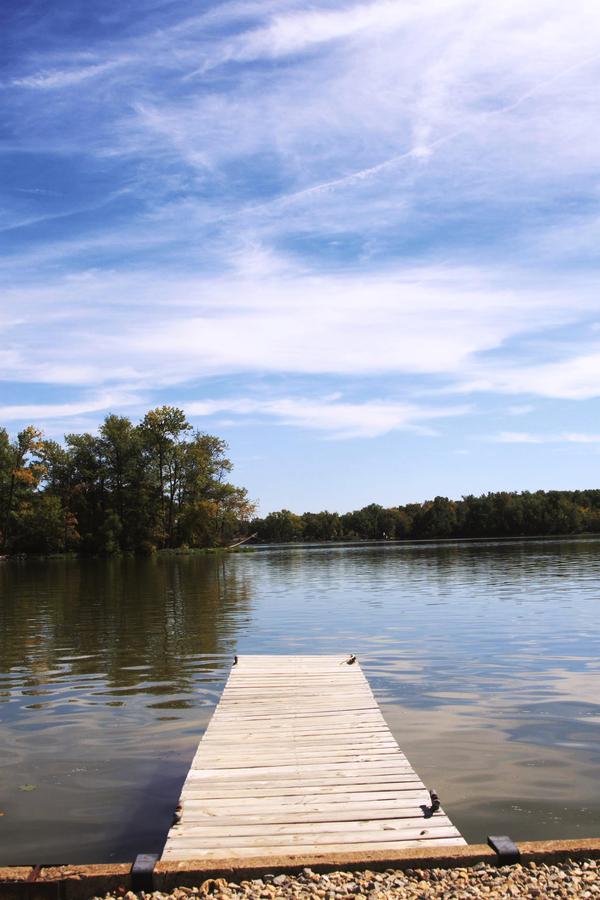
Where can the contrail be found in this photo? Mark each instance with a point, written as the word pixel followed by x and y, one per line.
pixel 369 172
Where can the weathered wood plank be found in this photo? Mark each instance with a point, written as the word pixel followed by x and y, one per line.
pixel 294 762
pixel 302 732
pixel 184 854
pixel 298 758
pixel 289 804
pixel 311 839
pixel 303 748
pixel 291 757
pixel 364 712
pixel 304 786
pixel 342 808
pixel 363 775
pixel 341 739
pixel 333 794
pixel 353 813
pixel 247 772
pixel 231 829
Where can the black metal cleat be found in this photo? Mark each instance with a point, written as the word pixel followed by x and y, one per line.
pixel 505 847
pixel 142 872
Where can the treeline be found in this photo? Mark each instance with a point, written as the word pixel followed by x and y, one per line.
pixel 158 484
pixel 501 514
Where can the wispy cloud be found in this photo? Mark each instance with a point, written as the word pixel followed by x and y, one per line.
pixel 330 414
pixel 298 30
pixel 524 437
pixel 64 78
pixel 520 409
pixel 267 316
pixel 397 201
pixel 575 377
pixel 333 415
pixel 36 412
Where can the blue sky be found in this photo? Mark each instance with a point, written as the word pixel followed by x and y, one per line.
pixel 358 240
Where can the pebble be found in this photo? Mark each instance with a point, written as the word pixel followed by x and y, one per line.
pixel 580 879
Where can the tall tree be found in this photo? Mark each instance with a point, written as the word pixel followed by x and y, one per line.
pixel 58 486
pixel 21 475
pixel 163 433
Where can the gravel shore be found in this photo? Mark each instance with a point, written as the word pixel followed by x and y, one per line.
pixel 568 879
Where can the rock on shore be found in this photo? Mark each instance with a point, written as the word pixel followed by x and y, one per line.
pixel 566 880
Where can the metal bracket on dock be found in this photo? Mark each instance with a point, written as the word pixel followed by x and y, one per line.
pixel 142 872
pixel 505 847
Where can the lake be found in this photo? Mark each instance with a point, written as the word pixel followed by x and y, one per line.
pixel 485 659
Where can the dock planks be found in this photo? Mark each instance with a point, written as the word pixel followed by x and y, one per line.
pixel 298 759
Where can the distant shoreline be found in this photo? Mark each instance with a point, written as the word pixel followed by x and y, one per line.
pixel 306 545
pixel 119 554
pixel 408 541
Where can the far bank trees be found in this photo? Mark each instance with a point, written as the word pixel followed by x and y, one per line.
pixel 502 514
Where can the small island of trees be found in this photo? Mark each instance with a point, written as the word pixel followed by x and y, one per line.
pixel 155 485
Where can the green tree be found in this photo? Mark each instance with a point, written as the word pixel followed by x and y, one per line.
pixel 437 518
pixel 322 526
pixel 42 525
pixel 58 486
pixel 88 490
pixel 163 431
pixel 279 527
pixel 20 478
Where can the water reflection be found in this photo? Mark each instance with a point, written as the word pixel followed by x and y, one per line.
pixel 484 657
pixel 104 669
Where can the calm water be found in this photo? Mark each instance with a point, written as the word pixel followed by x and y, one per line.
pixel 485 659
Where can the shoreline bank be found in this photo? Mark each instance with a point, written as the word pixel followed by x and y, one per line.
pixel 569 868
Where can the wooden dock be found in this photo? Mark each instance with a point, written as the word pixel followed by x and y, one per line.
pixel 298 759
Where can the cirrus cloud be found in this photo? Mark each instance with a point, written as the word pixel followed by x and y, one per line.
pixel 372 216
